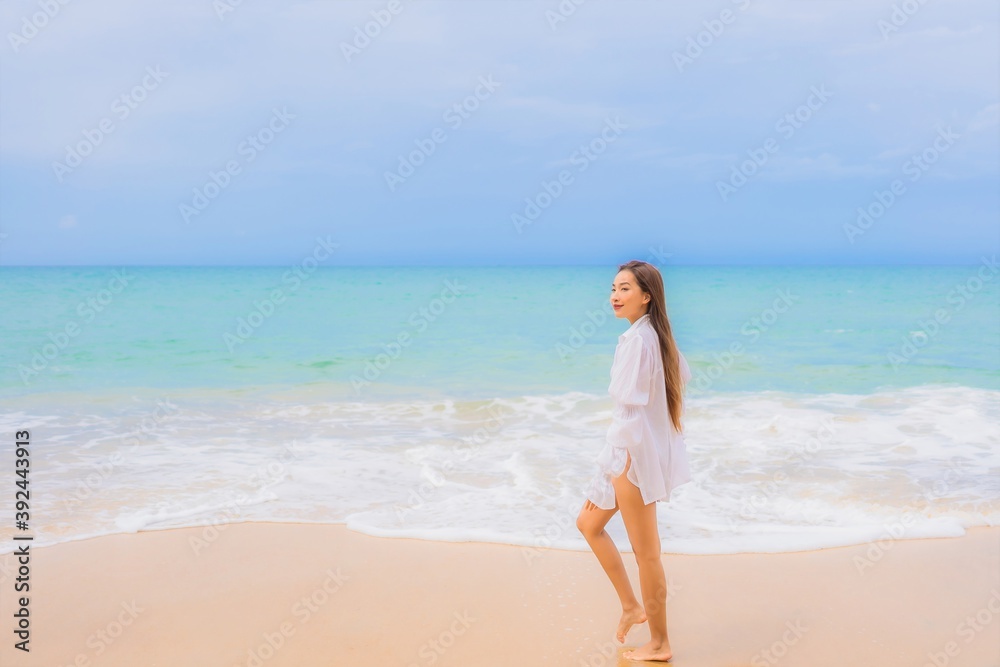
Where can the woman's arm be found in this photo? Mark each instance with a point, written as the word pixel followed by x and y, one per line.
pixel 631 381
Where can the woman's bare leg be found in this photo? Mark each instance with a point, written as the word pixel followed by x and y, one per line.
pixel 643 534
pixel 591 523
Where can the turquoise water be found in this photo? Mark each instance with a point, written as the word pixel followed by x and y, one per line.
pixel 499 332
pixel 828 405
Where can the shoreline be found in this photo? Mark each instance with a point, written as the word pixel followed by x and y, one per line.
pixel 260 593
pixel 883 535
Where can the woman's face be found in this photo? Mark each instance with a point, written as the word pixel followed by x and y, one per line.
pixel 627 299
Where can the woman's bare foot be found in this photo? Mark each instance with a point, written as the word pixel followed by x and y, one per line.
pixel 629 618
pixel 650 651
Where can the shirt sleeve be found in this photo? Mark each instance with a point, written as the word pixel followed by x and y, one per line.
pixel 631 380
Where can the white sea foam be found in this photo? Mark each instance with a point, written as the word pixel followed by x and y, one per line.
pixel 771 471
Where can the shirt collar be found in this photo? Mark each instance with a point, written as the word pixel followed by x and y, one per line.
pixel 640 321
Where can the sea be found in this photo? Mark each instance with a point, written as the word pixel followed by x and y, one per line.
pixel 829 405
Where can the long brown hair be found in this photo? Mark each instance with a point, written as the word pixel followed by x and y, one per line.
pixel 651 282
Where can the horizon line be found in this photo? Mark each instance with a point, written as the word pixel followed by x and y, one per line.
pixel 487 266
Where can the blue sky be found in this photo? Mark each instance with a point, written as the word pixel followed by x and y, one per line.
pixel 489 132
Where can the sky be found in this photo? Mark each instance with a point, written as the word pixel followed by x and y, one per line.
pixel 489 132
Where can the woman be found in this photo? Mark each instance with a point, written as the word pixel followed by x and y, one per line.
pixel 644 457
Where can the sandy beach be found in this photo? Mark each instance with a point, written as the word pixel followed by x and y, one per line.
pixel 304 594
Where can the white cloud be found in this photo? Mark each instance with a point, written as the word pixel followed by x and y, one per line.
pixel 607 58
pixel 825 165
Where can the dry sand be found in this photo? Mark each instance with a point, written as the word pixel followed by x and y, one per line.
pixel 301 595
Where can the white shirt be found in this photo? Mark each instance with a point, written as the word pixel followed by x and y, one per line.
pixel 640 422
